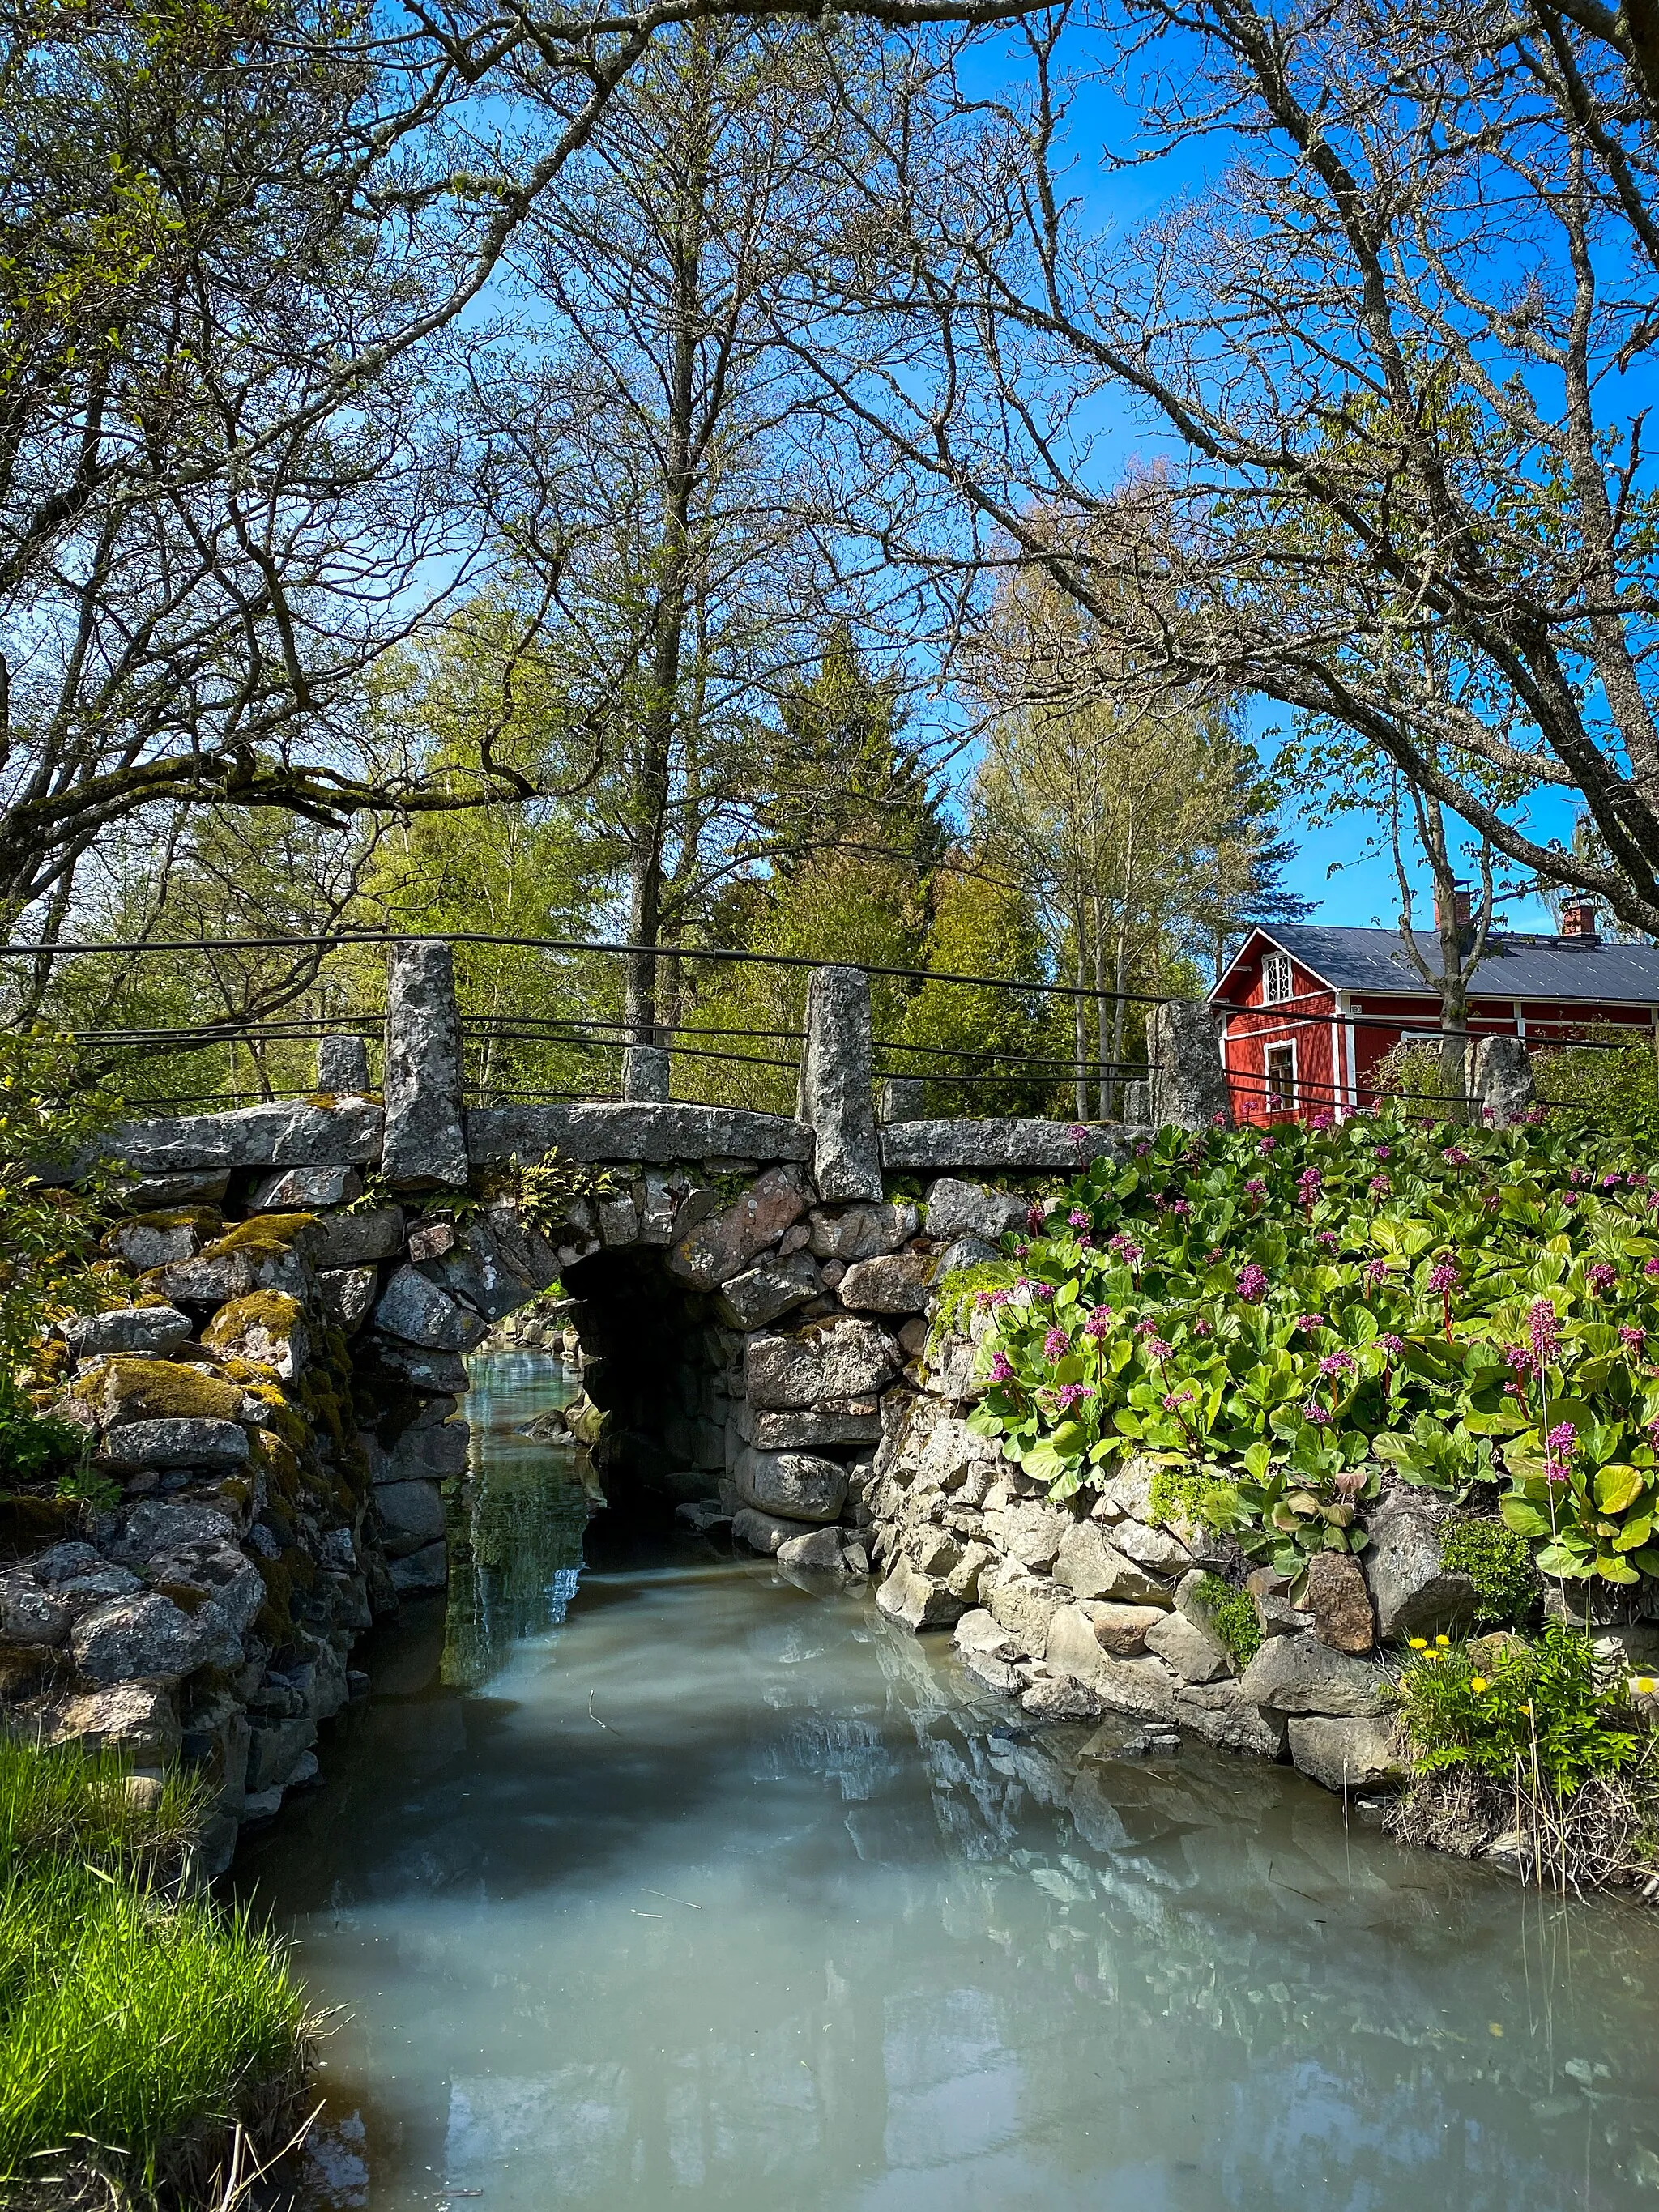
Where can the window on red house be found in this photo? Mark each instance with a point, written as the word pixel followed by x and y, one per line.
pixel 1278 979
pixel 1281 1079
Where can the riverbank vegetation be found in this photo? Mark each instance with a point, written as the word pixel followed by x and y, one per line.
pixel 1292 1325
pixel 141 2024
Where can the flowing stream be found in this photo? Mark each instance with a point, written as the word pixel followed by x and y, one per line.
pixel 658 1881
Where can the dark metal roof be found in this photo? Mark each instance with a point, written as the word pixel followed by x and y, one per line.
pixel 1554 969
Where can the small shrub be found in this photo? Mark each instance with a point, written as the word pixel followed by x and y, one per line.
pixel 1512 1711
pixel 1233 1616
pixel 34 1446
pixel 1497 1561
pixel 1609 1085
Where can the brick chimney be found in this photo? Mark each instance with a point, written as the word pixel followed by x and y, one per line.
pixel 1579 921
pixel 1459 910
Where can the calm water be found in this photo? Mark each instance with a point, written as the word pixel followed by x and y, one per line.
pixel 668 1884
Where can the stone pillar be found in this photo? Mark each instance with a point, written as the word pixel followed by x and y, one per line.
pixel 645 1074
pixel 837 1073
pixel 1188 1088
pixel 342 1065
pixel 1501 1088
pixel 1137 1104
pixel 425 1136
pixel 900 1099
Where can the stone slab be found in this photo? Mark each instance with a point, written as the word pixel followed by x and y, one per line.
pixel 633 1131
pixel 286 1134
pixel 911 1148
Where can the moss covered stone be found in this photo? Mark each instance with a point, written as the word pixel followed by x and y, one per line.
pixel 268 1326
pixel 134 1389
pixel 265 1236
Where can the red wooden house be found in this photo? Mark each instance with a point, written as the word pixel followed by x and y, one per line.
pixel 1306 1012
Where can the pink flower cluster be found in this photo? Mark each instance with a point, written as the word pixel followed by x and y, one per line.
pixel 1099 1323
pixel 1602 1277
pixel 1252 1284
pixel 1056 1344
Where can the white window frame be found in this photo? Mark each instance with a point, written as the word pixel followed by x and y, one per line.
pixel 1270 1103
pixel 1277 979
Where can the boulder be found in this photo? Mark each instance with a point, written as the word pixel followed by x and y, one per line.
pixel 269 1327
pixel 138 1719
pixel 1032 1533
pixel 422 1573
pixel 837 1071
pixel 189 1443
pixel 979 1632
pixel 274 1751
pixel 1357 1754
pixel 443 1373
pixel 861 1232
pixel 1219 1712
pixel 1057 1698
pixel 345 1295
pixel 896 1283
pixel 493 1268
pixel 412 1514
pixel 1126 1495
pixel 146 1637
pixel 425 1139
pixel 1155 1548
pixel 918 1601
pixel 798 1485
pixel 761 1293
pixel 155 1243
pixel 1301 1674
pixel 157 1525
pixel 1024 1604
pixel 131 1389
pixel 306 1190
pixel 833 1360
pixel 819 1551
pixel 856 1422
pixel 965 1252
pixel 420 1313
pixel 104 1582
pixel 425 1453
pixel 763 1532
pixel 356 1240
pixel 717 1246
pixel 1413 1594
pixel 969 1209
pixel 152 1194
pixel 430 1240
pixel 1089 1564
pixel 618 1220
pixel 153 1330
pixel 65 1562
pixel 951 1371
pixel 29 1614
pixel 1339 1602
pixel 1196 1657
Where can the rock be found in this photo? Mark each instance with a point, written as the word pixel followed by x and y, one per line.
pixel 982 1634
pixel 797 1485
pixel 342 1065
pixel 1413 1594
pixel 273 1752
pixel 422 1573
pixel 1219 1712
pixel 306 1190
pixel 443 1372
pixel 155 1194
pixel 1001 1675
pixel 1188 1089
pixel 969 1209
pixel 702 1516
pixel 896 1283
pixel 647 1072
pixel 966 1252
pixel 1032 1533
pixel 262 1805
pixel 423 1454
pixel 146 1637
pixel 965 1577
pixel 1180 1643
pixel 138 1719
pixel 268 1327
pixel 63 1563
pixel 412 1514
pixel 1502 1081
pixel 1339 1602
pixel 1058 1698
pixel 619 1223
pixel 951 1371
pixel 918 1601
pixel 153 1330
pixel 356 1240
pixel 345 1295
pixel 105 1582
pixel 1122 1630
pixel 1349 1754
pixel 838 1359
pixel 133 1390
pixel 836 1072
pixel 1300 1674
pixel 759 1294
pixel 285 1134
pixel 29 1614
pixel 146 1244
pixel 654 1133
pixel 1126 1495
pixel 495 1269
pixel 763 1532
pixel 819 1550
pixel 157 1526
pixel 861 1232
pixel 1024 1604
pixel 430 1241
pixel 1022 1146
pixel 812 1428
pixel 1089 1564
pixel 425 1142
pixel 1155 1548
pixel 1277 1616
pixel 190 1442
pixel 422 1314
pixel 718 1246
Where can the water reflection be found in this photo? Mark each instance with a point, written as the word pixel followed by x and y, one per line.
pixel 722 1894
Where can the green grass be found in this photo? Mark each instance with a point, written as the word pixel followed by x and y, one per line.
pixel 137 2022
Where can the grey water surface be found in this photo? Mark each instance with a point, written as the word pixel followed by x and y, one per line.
pixel 659 1881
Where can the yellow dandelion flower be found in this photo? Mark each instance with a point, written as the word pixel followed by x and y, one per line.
pixel 1443 1643
pixel 1478 1683
pixel 1644 1685
pixel 1419 1644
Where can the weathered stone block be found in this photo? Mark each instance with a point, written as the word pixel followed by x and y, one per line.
pixel 356 1240
pixel 1089 1564
pixel 916 1147
pixel 342 1065
pixel 1179 1643
pixel 797 1485
pixel 861 1232
pixel 425 1143
pixel 759 1294
pixel 268 1327
pixel 956 1209
pixel 1032 1533
pixel 1024 1604
pixel 412 1514
pixel 763 1532
pixel 29 1614
pixel 153 1330
pixel 720 1245
pixel 981 1632
pixel 812 1429
pixel 1219 1712
pixel 1188 1087
pixel 138 1719
pixel 1349 1754
pixel 192 1186
pixel 660 1134
pixel 1339 1602
pixel 819 1551
pixel 1414 1595
pixel 422 1573
pixel 837 1073
pixel 188 1443
pixel 345 1295
pixel 918 1601
pixel 490 1271
pixel 146 1637
pixel 146 1244
pixel 274 1751
pixel 422 1314
pixel 306 1190
pixel 160 1525
pixel 1158 1550
pixel 836 1359
pixel 285 1134
pixel 1503 1091
pixel 896 1283
pixel 1300 1674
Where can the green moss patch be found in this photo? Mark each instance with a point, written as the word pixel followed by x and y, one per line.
pixel 128 1387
